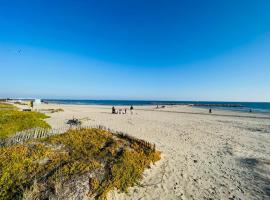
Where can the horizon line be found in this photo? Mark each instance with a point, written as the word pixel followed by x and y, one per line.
pixel 157 100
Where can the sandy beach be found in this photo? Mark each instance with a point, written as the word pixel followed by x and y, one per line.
pixel 223 155
pixel 196 72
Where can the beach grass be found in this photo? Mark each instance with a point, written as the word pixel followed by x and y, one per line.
pixel 12 120
pixel 37 168
pixel 6 106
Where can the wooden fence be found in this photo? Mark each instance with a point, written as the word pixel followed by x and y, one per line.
pixel 35 133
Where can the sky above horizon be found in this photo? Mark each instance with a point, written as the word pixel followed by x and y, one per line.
pixel 148 50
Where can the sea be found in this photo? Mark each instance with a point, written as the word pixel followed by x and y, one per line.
pixel 258 107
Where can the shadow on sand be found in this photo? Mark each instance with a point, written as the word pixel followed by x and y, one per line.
pixel 258 175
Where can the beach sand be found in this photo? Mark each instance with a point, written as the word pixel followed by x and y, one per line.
pixel 224 155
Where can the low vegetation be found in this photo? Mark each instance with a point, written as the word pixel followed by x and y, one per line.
pixel 6 106
pixel 51 110
pixel 12 120
pixel 57 110
pixel 46 168
pixel 21 103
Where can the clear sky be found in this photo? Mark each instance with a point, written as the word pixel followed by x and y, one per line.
pixel 136 49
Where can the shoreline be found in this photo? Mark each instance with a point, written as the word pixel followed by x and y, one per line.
pixel 223 115
pixel 226 106
pixel 241 107
pixel 258 107
pixel 199 110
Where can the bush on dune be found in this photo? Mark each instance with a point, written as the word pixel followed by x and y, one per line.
pixel 45 163
pixel 12 120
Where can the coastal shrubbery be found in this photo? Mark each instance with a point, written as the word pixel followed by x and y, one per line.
pixel 57 110
pixel 5 106
pixel 12 120
pixel 39 168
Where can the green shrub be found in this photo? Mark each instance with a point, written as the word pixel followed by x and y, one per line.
pixel 12 121
pixel 45 162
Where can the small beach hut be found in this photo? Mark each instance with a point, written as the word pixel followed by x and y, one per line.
pixel 37 101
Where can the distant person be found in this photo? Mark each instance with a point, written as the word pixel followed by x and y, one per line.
pixel 125 111
pixel 210 110
pixel 131 109
pixel 113 110
pixel 250 110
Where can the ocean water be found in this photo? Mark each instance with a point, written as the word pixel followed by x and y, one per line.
pixel 261 107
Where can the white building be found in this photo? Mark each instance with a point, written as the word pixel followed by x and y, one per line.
pixel 37 101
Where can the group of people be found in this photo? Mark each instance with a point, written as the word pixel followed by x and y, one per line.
pixel 161 106
pixel 122 111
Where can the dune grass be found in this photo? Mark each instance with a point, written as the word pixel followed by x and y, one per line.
pixel 12 120
pixel 6 106
pixel 57 110
pixel 40 166
pixel 52 110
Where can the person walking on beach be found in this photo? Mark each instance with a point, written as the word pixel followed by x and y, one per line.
pixel 131 109
pixel 113 110
pixel 210 111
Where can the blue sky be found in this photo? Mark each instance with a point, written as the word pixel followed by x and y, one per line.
pixel 163 50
